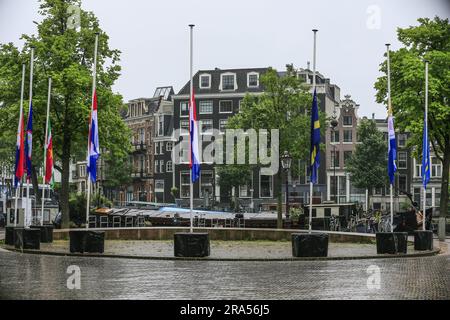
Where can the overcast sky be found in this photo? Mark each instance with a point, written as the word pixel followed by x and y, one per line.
pixel 154 37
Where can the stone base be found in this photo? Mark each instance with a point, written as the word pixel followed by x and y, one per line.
pixel 9 236
pixel 27 238
pixel 191 244
pixel 423 240
pixel 46 232
pixel 87 241
pixel 392 242
pixel 309 244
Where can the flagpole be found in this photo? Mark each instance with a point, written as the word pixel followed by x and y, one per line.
pixel 28 213
pixel 88 182
pixel 314 88
pixel 423 152
pixel 21 129
pixel 191 190
pixel 45 149
pixel 389 106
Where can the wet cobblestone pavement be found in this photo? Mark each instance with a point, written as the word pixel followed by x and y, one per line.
pixel 222 249
pixel 29 276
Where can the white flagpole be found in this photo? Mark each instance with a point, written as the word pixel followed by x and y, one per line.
pixel 88 180
pixel 389 106
pixel 28 209
pixel 426 126
pixel 314 88
pixel 21 120
pixel 45 149
pixel 191 190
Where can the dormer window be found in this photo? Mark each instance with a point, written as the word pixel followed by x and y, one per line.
pixel 205 81
pixel 228 81
pixel 252 79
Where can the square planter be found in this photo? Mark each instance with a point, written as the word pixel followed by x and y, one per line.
pixel 191 244
pixel 27 238
pixel 423 240
pixel 392 242
pixel 9 235
pixel 309 244
pixel 87 241
pixel 46 232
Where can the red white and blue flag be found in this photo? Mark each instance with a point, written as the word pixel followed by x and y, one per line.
pixel 20 152
pixel 29 142
pixel 194 162
pixel 94 147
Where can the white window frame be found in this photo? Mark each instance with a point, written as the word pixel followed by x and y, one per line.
pixel 200 185
pixel 220 122
pixel 220 110
pixel 405 160
pixel 200 107
pixel 169 143
pixel 200 80
pixel 181 103
pixel 169 166
pixel 208 132
pixel 343 137
pixel 156 148
pixel 181 184
pixel 161 147
pixel 161 166
pixel 156 166
pixel 253 73
pixel 221 81
pixel 160 126
pixel 271 191
pixel 347 125
pixel 159 182
pixel 184 132
pixel 435 167
pixel 248 187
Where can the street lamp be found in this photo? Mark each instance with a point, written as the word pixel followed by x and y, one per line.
pixel 286 161
pixel 334 124
pixel 251 199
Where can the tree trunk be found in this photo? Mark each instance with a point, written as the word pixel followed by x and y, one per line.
pixel 444 191
pixel 64 199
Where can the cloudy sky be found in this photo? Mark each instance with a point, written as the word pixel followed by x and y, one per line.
pixel 154 37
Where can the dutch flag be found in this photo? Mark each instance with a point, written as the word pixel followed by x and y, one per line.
pixel 194 162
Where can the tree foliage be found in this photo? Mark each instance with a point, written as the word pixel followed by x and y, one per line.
pixel 429 40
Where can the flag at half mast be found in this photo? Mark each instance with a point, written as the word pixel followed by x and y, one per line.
pixel 392 147
pixel 194 162
pixel 20 152
pixel 94 147
pixel 425 156
pixel 29 142
pixel 49 156
pixel 315 140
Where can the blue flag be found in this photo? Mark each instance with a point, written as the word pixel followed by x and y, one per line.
pixel 425 156
pixel 315 140
pixel 392 148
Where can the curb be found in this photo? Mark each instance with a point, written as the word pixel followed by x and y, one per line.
pixel 433 252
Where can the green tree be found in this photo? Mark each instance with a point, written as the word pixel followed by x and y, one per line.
pixel 429 40
pixel 367 164
pixel 233 176
pixel 284 105
pixel 65 54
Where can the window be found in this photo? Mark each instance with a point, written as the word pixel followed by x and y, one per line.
pixel 184 126
pixel 401 140
pixel 246 191
pixel 82 171
pixel 141 135
pixel 156 166
pixel 206 184
pixel 206 107
pixel 436 167
pixel 335 136
pixel 185 184
pixel 252 79
pixel 222 125
pixel 206 126
pixel 169 146
pixel 184 109
pixel 161 147
pixel 335 159
pixel 228 82
pixel 418 169
pixel 402 182
pixel 347 135
pixel 161 166
pixel 159 185
pixel 265 186
pixel 226 106
pixel 205 81
pixel 348 120
pixel 402 160
pixel 169 166
pixel 160 125
pixel 156 148
pixel 347 155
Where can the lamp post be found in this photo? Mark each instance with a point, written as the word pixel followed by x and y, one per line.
pixel 251 199
pixel 286 161
pixel 333 124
